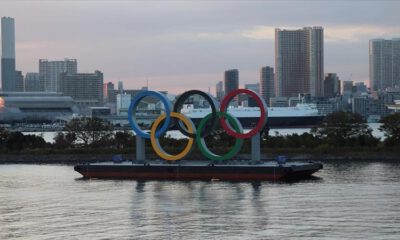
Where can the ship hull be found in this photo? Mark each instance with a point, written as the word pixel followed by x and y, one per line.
pixel 198 171
pixel 277 122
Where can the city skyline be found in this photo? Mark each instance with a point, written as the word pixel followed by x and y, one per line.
pixel 177 46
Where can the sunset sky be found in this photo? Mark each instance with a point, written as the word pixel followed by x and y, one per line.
pixel 184 45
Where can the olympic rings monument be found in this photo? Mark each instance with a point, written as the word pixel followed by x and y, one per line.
pixel 175 167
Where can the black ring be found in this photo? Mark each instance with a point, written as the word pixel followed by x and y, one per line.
pixel 214 106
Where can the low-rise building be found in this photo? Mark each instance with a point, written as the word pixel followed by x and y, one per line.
pixel 35 107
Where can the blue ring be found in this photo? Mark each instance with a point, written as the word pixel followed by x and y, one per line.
pixel 135 102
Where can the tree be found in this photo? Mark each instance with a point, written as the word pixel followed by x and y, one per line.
pixel 4 134
pixel 124 139
pixel 391 128
pixel 345 129
pixel 19 141
pixel 32 141
pixel 62 140
pixel 90 131
pixel 15 141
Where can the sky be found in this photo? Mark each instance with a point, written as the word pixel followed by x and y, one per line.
pixel 182 45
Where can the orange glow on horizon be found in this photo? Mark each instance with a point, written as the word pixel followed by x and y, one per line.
pixel 2 103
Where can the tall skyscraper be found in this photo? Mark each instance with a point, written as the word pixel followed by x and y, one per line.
pixel 50 71
pixel 32 82
pixel 231 80
pixel 331 85
pixel 384 63
pixel 299 61
pixel 267 85
pixel 8 55
pixel 219 90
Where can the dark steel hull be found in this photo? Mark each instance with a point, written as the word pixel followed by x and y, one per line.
pixel 198 171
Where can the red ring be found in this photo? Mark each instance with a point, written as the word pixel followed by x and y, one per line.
pixel 261 104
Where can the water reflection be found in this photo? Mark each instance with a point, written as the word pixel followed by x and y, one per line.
pixel 345 200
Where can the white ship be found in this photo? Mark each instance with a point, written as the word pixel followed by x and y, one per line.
pixel 302 115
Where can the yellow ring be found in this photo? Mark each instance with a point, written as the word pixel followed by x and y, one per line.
pixel 156 144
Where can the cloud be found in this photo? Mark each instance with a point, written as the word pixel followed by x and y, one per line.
pixel 338 33
pixel 260 33
pixel 256 32
pixel 356 33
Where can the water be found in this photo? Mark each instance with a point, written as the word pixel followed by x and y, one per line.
pixel 49 136
pixel 348 201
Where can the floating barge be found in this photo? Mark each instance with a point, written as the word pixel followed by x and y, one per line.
pixel 199 170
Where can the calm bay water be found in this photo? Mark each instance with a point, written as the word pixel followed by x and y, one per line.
pixel 347 201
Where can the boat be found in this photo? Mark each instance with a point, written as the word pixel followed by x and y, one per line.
pixel 233 170
pixel 302 115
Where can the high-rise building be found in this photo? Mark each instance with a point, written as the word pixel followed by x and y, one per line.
pixel 347 87
pixel 50 72
pixel 8 55
pixel 299 61
pixel 331 85
pixel 219 90
pixel 231 80
pixel 360 87
pixel 253 86
pixel 32 82
pixel 19 81
pixel 109 92
pixel 85 88
pixel 267 84
pixel 384 63
pixel 120 87
pixel 123 102
pixel 251 102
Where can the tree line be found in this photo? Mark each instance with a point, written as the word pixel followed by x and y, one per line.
pixel 338 130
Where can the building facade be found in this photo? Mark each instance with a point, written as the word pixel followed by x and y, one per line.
pixel 120 87
pixel 250 101
pixel 35 107
pixel 368 106
pixel 85 88
pixel 109 92
pixel 123 102
pixel 331 85
pixel 360 88
pixel 267 83
pixel 219 90
pixel 8 55
pixel 299 61
pixel 19 81
pixel 347 88
pixel 32 82
pixel 384 63
pixel 231 80
pixel 50 72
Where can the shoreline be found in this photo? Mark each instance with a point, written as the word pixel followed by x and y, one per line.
pixel 70 159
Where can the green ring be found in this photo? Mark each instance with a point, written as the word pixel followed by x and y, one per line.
pixel 203 146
